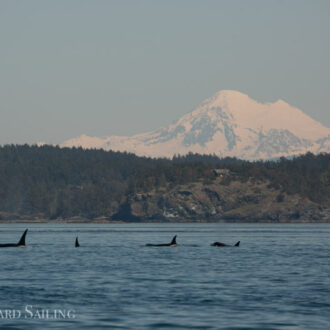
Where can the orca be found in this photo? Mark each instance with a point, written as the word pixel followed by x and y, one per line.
pixel 77 243
pixel 21 242
pixel 223 244
pixel 173 243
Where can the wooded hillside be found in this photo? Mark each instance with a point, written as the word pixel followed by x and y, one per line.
pixel 49 182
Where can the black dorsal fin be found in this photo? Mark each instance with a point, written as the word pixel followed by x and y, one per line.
pixel 173 240
pixel 237 244
pixel 22 240
pixel 77 243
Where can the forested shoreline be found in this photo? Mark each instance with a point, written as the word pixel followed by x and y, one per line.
pixel 49 182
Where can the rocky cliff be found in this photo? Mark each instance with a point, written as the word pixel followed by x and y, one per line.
pixel 221 199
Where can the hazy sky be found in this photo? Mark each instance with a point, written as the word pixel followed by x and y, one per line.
pixel 102 68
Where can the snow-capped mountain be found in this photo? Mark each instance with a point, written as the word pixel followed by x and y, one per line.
pixel 226 124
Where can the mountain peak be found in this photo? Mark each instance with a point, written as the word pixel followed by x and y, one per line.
pixel 225 96
pixel 229 123
pixel 229 93
pixel 231 101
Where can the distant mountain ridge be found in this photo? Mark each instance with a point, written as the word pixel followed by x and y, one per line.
pixel 229 123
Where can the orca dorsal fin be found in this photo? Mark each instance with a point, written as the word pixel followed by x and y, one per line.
pixel 173 242
pixel 22 240
pixel 237 244
pixel 77 243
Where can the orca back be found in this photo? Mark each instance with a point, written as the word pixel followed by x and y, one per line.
pixel 77 243
pixel 219 244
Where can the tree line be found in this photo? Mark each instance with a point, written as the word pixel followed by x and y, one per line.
pixel 52 182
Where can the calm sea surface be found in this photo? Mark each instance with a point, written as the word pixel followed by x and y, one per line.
pixel 279 278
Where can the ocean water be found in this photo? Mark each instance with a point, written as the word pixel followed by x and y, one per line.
pixel 279 278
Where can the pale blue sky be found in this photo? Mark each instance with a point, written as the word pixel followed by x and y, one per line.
pixel 69 67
